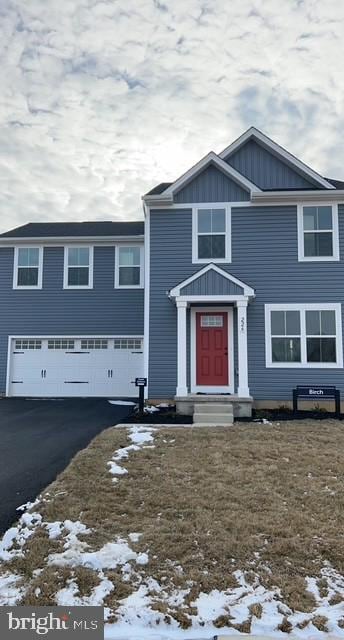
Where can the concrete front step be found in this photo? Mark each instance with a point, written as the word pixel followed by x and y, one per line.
pixel 219 419
pixel 213 407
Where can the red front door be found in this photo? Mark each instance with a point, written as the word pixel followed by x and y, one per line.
pixel 212 349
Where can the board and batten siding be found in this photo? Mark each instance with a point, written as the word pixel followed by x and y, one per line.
pixel 264 256
pixel 266 170
pixel 211 283
pixel 53 310
pixel 211 185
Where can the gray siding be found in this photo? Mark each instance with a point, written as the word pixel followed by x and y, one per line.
pixel 53 310
pixel 264 255
pixel 211 283
pixel 266 170
pixel 211 185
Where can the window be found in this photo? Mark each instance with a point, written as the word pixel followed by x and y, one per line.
pixel 60 344
pixel 211 235
pixel 127 343
pixel 78 269
pixel 28 344
pixel 318 232
pixel 28 263
pixel 307 335
pixel 285 336
pixel 321 336
pixel 129 267
pixel 211 321
pixel 96 343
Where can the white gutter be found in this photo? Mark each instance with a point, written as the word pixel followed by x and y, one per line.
pixel 156 200
pixel 316 195
pixel 62 240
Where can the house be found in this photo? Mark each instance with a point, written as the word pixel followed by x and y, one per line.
pixel 231 288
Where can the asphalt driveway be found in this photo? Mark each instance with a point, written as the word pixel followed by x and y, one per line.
pixel 38 438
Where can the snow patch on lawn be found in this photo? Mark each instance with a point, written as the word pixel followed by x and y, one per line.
pixel 14 539
pixel 140 437
pixel 110 556
pixel 138 619
pixel 10 593
pixel 69 596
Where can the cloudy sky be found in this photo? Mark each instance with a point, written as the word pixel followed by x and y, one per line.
pixel 100 100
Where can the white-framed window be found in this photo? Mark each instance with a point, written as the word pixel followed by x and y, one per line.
pixel 318 239
pixel 129 267
pixel 303 335
pixel 28 344
pixel 211 234
pixel 211 321
pixel 61 343
pixel 94 343
pixel 28 268
pixel 127 343
pixel 78 267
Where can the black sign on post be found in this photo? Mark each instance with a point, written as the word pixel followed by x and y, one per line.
pixel 141 383
pixel 317 392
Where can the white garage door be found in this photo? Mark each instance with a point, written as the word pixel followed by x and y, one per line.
pixel 75 367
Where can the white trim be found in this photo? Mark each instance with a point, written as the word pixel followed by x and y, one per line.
pixel 200 205
pixel 303 307
pixel 63 240
pixel 210 158
pixel 273 198
pixel 181 389
pixel 227 233
pixel 73 336
pixel 117 266
pixel 90 267
pixel 243 389
pixel 252 132
pixel 300 233
pixel 40 267
pixel 8 369
pixel 194 388
pixel 146 311
pixel 247 291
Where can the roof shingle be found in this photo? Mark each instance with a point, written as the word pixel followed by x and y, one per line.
pixel 75 229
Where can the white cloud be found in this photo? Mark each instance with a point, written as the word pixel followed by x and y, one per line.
pixel 102 100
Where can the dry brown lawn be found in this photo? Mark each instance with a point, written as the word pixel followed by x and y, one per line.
pixel 265 499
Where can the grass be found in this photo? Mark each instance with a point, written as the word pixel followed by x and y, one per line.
pixel 265 499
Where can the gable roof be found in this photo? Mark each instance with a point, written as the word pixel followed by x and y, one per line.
pixel 210 158
pixel 277 150
pixel 75 229
pixel 177 290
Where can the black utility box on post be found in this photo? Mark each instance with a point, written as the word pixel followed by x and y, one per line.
pixel 317 392
pixel 141 383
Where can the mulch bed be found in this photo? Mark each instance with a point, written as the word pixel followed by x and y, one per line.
pixel 169 416
pixel 163 416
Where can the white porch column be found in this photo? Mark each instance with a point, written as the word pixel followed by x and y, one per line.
pixel 181 348
pixel 243 390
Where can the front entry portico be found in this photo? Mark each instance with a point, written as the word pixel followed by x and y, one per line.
pixel 212 333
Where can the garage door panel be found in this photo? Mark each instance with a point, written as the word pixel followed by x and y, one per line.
pixel 87 367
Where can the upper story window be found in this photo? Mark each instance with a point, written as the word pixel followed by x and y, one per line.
pixel 308 335
pixel 78 268
pixel 211 235
pixel 129 270
pixel 318 232
pixel 28 267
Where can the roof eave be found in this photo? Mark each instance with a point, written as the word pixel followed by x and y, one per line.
pixel 62 240
pixel 159 199
pixel 318 195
